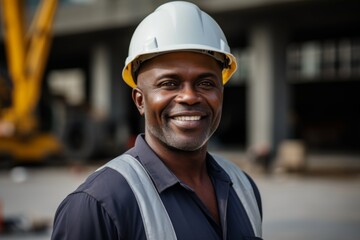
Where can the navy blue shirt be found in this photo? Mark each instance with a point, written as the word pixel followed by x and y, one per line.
pixel 104 206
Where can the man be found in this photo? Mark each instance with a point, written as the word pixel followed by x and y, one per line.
pixel 168 186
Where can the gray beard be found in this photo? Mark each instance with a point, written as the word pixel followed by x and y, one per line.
pixel 172 141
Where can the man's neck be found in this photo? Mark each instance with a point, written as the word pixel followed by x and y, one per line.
pixel 188 166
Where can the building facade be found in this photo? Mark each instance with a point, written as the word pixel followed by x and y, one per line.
pixel 298 77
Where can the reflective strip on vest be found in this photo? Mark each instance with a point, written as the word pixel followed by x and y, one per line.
pixel 244 191
pixel 157 223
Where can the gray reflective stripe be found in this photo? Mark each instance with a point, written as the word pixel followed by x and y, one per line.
pixel 156 220
pixel 152 209
pixel 245 192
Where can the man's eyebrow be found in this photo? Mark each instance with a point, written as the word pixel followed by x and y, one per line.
pixel 176 75
pixel 208 74
pixel 167 75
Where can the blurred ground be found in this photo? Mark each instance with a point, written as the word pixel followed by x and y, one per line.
pixel 296 206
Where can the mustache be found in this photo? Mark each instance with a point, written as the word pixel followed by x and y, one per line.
pixel 186 109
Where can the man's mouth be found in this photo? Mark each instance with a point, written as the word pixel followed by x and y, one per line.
pixel 187 118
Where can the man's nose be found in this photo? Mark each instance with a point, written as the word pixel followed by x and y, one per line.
pixel 188 95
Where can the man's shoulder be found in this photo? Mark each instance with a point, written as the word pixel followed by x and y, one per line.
pixel 100 202
pixel 106 184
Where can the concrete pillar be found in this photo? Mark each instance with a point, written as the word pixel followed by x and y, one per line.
pixel 120 92
pixel 110 96
pixel 267 90
pixel 100 81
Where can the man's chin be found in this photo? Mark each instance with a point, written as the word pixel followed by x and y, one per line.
pixel 188 144
pixel 180 140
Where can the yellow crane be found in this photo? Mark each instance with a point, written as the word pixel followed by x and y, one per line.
pixel 27 51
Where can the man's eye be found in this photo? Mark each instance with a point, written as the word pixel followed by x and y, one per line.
pixel 168 84
pixel 206 83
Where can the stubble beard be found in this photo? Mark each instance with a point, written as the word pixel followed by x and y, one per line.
pixel 170 139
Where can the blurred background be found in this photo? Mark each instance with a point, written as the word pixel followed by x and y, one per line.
pixel 291 112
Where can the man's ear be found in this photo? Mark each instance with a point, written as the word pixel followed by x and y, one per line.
pixel 138 99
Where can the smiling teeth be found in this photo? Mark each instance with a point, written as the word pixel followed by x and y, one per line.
pixel 187 118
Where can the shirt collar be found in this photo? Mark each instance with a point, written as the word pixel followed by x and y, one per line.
pixel 162 176
pixel 159 173
pixel 215 170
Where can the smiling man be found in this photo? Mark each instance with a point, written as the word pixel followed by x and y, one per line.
pixel 168 186
pixel 180 95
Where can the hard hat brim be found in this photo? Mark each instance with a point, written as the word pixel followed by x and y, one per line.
pixel 128 71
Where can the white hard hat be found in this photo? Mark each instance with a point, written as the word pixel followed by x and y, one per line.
pixel 177 26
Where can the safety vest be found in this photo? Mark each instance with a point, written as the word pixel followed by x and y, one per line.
pixel 157 223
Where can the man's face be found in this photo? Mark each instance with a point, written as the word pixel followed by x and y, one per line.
pixel 180 94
